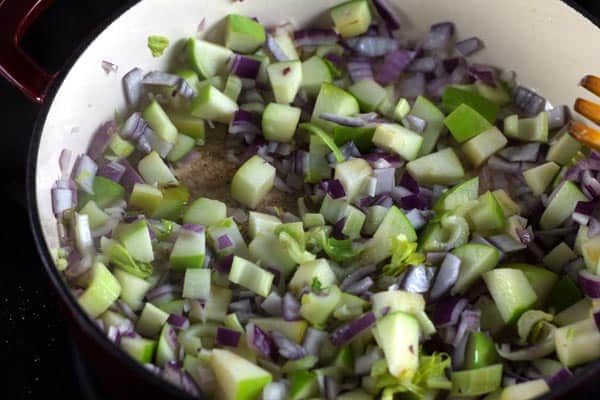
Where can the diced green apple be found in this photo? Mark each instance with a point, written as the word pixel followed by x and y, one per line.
pixel 252 181
pixel 484 145
pixel 539 178
pixel 183 146
pixel 333 100
pixel 442 167
pixel 464 123
pixel 279 122
pixel 243 34
pixel 353 175
pixel 160 123
pixel 207 59
pixel 189 249
pixel 562 205
pixel 154 170
pixel 476 259
pixel 398 336
pixel 261 224
pixel 103 290
pixel 133 288
pixel 368 93
pixel 391 301
pixel 214 105
pixel 204 211
pixel 399 140
pixel 238 378
pixel 286 78
pixel 314 73
pixel 511 291
pixel 251 276
pixel 352 18
pixel 305 274
pixel 136 240
pixel 145 197
pixel 425 109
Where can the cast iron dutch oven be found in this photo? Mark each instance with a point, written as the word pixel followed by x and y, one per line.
pixel 548 42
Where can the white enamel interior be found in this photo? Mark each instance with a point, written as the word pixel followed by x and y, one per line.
pixel 550 45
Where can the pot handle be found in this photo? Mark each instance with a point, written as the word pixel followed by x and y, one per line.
pixel 16 16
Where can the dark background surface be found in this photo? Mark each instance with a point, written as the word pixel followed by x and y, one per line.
pixel 35 350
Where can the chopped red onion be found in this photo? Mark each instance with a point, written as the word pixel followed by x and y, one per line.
pixel 360 287
pixel 109 67
pixel 597 318
pixel 386 180
pixel 273 304
pixel 439 36
pixel 245 67
pixel 132 84
pixel 448 311
pixel 157 143
pixel 590 284
pixel 112 170
pixel 394 64
pixel 558 117
pixel 387 13
pixel 416 218
pixel 417 279
pixel 483 73
pixel 228 337
pixel 315 37
pixel 178 321
pixel 415 123
pixel 363 364
pixel 384 160
pixel 179 378
pixel 163 291
pixel 314 340
pixel 64 162
pixel 287 348
pixel 160 78
pixel 446 276
pixel 435 88
pixel 259 340
pixel 130 176
pixel 425 64
pixel 357 275
pixel 333 187
pixel 528 102
pixel 275 391
pixel 245 122
pixel 506 243
pixel 101 140
pixel 372 46
pixel 346 333
pixel 435 258
pixel 275 50
pixel 527 152
pixel 593 227
pixel 559 378
pixel 78 264
pixel 290 308
pixel 412 85
pixel 469 46
pixel 64 196
pixel 343 120
pixel 574 173
pixel 501 165
pixel 359 68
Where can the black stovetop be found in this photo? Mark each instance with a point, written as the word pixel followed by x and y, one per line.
pixel 38 357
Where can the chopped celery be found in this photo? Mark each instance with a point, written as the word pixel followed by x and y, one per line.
pixel 261 224
pixel 305 274
pixel 121 147
pixel 317 307
pixel 375 216
pixel 212 104
pixel 368 93
pixel 481 147
pixel 136 240
pixel 325 138
pixel 318 167
pixel 251 276
pixel 355 220
pixel 268 250
pixel 305 363
pixel 183 146
pixel 173 200
pixel 103 290
pixel 119 256
pixel 476 382
pixel 312 220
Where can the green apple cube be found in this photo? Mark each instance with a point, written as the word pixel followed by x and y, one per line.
pixel 509 207
pixel 368 93
pixel 243 34
pixel 173 200
pixel 279 122
pixel 353 175
pixel 140 349
pixel 204 211
pixel 314 73
pixel 268 250
pixel 207 59
pixel 151 320
pixel 252 181
pixel 316 308
pixel 401 109
pixel 286 78
pixel 103 290
pixel 333 100
pixel 578 343
pixel 399 140
pixel 96 216
pixel 133 288
pixel 352 18
pixel 398 336
pixel 303 385
pixel 164 351
pixel 563 148
pixel 484 145
pixel 317 269
pixel 227 227
pixel 183 145
pixel 160 123
pixel 441 168
pixel 251 276
pixel 233 87
pixel 511 292
pixel 464 123
pixel 486 216
pixel 106 192
pixel 542 280
pixel 189 125
pixel 121 147
pixel 476 382
pixel 137 241
pixel 539 178
pixel 458 195
pixel 355 219
pixel 475 260
pixel 261 224
pixel 189 248
pixel 590 250
pixel 154 170
pixel 196 284
pixel 562 205
pixel 561 255
pixel 212 104
pixel 293 330
pixel 285 42
pixel 380 246
pixel 145 197
pixel 238 378
pixel 454 96
pixel 425 109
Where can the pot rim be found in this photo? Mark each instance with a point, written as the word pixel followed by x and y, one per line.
pixel 84 322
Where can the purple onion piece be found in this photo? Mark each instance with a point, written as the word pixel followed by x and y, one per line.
pixel 224 241
pixel 287 348
pixel 447 311
pixel 469 46
pixel 356 276
pixel 446 276
pixel 291 308
pixel 178 321
pixel 333 187
pixel 558 117
pixel 528 101
pixel 163 290
pixel 563 375
pixel 101 140
pixel 528 152
pixel 590 284
pixel 597 318
pixel 130 176
pixel 425 64
pixel 315 37
pixel 439 36
pixel 245 67
pixel 228 337
pixel 132 84
pixel 483 73
pixel 273 304
pixel 372 46
pixel 387 13
pixel 360 287
pixel 394 64
pixel 415 123
pixel 343 120
pixel 412 86
pixel 275 50
pixel 112 170
pixel 346 333
pixel 418 279
pixel 386 180
pixel 259 340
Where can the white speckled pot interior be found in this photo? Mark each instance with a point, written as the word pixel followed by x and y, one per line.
pixel 549 44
